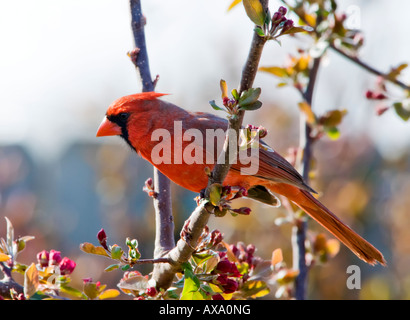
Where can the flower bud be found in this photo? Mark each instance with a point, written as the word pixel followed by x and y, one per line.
pixel 288 25
pixel 102 238
pixel 243 210
pixel 282 10
pixel 276 17
pixel 151 291
pixel 369 94
pixel 216 237
pixel 224 266
pixel 67 266
pixel 87 280
pixel 42 258
pixel 217 297
pixel 55 257
pixel 250 249
pixel 222 279
pixel 230 287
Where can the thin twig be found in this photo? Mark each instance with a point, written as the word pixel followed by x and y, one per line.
pixel 369 68
pixel 164 235
pixel 300 227
pixel 152 261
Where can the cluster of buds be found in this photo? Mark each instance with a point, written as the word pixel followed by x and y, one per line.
pixel 262 132
pixel 379 94
pixel 229 104
pixel 221 196
pixel 280 22
pixel 53 258
pixel 374 95
pixel 209 240
pixel 227 273
pixel 245 253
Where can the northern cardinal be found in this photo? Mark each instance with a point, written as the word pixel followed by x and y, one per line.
pixel 136 117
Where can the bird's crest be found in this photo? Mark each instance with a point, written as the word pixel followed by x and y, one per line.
pixel 120 105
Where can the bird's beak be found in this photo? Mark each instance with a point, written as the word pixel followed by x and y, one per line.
pixel 108 128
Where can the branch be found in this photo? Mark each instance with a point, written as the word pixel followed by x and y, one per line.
pixel 369 68
pixel 164 236
pixel 299 230
pixel 199 218
pixel 8 283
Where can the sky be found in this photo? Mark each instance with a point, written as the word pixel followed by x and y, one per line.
pixel 62 62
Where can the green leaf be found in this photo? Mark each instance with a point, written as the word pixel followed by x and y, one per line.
pixel 259 31
pixel 215 193
pixel 254 11
pixel 90 248
pixel 215 106
pixel 112 267
pixel 253 106
pixel 125 267
pixel 116 252
pixel 401 111
pixel 91 290
pixel 332 132
pixel 249 96
pixel 191 285
pixel 72 292
pixel 235 94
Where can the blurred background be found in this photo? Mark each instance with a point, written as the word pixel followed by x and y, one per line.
pixel 62 63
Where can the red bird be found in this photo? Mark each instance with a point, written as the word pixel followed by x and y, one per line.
pixel 136 117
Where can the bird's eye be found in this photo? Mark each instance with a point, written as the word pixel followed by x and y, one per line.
pixel 123 116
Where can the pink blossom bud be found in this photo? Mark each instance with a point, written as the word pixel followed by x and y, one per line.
pixel 381 109
pixel 369 94
pixel 216 237
pixel 288 25
pixel 380 96
pixel 55 257
pixel 151 291
pixel 102 238
pixel 230 287
pixel 282 10
pixel 224 266
pixel 250 249
pixel 222 279
pixel 42 258
pixel 217 297
pixel 67 266
pixel 87 280
pixel 276 17
pixel 243 210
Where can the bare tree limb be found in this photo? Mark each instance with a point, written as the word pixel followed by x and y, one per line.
pixel 164 235
pixel 369 68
